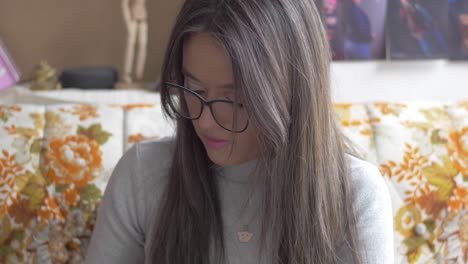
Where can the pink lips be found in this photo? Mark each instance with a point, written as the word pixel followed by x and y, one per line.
pixel 215 143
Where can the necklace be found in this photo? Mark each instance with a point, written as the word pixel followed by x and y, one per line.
pixel 244 236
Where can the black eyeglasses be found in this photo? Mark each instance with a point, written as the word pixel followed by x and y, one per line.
pixel 189 104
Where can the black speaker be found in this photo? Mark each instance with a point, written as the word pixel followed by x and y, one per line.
pixel 89 78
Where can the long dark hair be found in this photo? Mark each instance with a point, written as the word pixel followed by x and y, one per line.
pixel 280 60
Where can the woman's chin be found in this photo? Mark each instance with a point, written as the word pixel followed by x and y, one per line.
pixel 221 158
pixel 217 157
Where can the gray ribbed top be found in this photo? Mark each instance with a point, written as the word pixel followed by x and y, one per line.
pixel 135 187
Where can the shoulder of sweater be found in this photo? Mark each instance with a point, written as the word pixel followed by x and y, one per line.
pixel 366 180
pixel 152 158
pixel 373 208
pixel 156 149
pixel 151 163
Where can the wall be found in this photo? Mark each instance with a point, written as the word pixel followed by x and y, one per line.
pixel 70 33
pixel 88 32
pixel 398 80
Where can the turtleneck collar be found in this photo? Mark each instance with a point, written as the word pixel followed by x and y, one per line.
pixel 237 173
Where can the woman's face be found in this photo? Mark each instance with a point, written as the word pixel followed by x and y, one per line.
pixel 207 69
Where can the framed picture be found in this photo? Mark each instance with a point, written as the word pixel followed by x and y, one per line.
pixel 355 28
pixel 458 19
pixel 9 74
pixel 418 29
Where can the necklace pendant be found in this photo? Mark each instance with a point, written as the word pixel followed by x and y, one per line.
pixel 245 236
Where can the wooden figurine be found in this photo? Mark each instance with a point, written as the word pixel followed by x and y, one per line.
pixel 135 16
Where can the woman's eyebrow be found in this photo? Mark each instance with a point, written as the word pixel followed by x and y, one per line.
pixel 185 72
pixel 188 74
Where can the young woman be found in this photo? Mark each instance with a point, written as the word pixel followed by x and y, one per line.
pixel 258 171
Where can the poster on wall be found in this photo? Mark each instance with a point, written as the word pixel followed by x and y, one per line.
pixel 458 19
pixel 355 28
pixel 418 29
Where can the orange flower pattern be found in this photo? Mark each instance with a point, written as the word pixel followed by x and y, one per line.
pixel 410 170
pixel 84 111
pixel 390 108
pixel 459 199
pixel 132 139
pixel 457 147
pixel 427 177
pixel 50 210
pixel 134 106
pixel 73 159
pixel 9 169
pixel 347 120
pixel 10 129
pixel 431 216
pixel 71 196
pixel 47 198
pixel 7 111
pixel 357 125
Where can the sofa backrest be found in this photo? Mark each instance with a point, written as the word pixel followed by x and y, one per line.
pixel 55 161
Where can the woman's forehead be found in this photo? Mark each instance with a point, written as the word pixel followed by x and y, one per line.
pixel 206 61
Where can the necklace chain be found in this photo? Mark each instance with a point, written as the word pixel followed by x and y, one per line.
pixel 245 236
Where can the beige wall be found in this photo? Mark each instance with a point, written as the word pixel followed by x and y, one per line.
pixel 69 33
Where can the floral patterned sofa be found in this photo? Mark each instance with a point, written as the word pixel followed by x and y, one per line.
pixel 55 161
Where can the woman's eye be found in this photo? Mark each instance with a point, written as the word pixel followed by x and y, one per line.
pixel 199 92
pixel 229 96
pixel 195 90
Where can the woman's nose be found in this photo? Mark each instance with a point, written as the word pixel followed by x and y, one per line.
pixel 206 120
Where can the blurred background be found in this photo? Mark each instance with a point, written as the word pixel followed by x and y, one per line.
pixel 398 49
pixel 77 33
